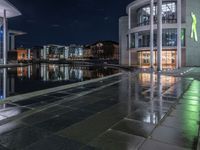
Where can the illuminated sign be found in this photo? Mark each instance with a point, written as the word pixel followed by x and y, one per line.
pixel 194 27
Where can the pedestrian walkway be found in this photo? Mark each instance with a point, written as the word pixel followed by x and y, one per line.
pixel 144 111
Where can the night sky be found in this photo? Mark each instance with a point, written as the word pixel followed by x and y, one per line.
pixel 67 21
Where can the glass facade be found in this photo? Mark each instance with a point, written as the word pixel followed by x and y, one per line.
pixel 169 14
pixel 55 53
pixel 142 39
pixel 1 40
pixel 75 51
pixel 168 58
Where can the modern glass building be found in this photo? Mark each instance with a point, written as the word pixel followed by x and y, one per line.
pixel 162 33
pixel 7 10
pixel 54 52
pixel 76 51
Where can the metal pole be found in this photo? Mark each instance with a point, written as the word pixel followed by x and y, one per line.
pixel 4 83
pixel 129 37
pixel 4 38
pixel 159 36
pixel 179 23
pixel 152 33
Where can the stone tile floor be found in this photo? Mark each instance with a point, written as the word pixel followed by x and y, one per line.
pixel 133 111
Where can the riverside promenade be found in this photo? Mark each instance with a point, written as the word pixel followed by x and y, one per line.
pixel 127 111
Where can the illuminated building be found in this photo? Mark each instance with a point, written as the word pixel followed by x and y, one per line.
pixel 105 50
pixel 7 10
pixel 75 51
pixel 160 33
pixel 54 52
pixel 24 54
pixel 87 53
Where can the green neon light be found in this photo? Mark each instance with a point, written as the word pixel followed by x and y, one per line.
pixel 194 27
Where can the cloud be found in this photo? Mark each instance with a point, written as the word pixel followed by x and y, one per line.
pixel 55 26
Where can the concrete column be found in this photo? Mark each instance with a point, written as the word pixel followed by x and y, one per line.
pixel 29 54
pixel 160 89
pixel 129 94
pixel 66 68
pixel 4 83
pixel 151 33
pixel 129 37
pixel 179 24
pixel 123 40
pixel 45 53
pixel 12 47
pixel 129 56
pixel 4 38
pixel 136 40
pixel 29 71
pixel 12 85
pixel 159 36
pixel 152 96
pixel 8 41
pixel 66 52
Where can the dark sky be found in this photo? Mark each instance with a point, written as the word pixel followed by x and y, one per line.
pixel 67 21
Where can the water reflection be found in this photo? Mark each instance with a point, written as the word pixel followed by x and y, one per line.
pixel 36 77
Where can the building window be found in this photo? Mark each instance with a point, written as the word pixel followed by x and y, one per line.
pixel 142 39
pixel 169 14
pixel 169 37
pixel 168 58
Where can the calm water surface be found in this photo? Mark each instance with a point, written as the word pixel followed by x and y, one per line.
pixel 31 78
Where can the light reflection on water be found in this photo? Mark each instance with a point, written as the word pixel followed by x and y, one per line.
pixel 31 78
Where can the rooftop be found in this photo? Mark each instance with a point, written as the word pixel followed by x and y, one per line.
pixel 10 9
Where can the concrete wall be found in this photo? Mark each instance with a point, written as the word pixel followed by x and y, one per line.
pixel 193 47
pixel 123 49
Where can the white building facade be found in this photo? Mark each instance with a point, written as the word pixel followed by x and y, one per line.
pixel 160 33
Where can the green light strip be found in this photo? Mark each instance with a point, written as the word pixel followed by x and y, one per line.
pixel 194 27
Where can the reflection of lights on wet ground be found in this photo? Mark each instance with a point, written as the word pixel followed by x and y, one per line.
pixel 9 113
pixel 8 127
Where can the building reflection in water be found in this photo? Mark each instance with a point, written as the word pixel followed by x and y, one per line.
pixel 37 77
pixel 7 84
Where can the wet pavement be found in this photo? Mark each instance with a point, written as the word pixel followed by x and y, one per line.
pixel 144 111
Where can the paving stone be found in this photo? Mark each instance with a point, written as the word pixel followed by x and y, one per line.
pixel 13 111
pixel 87 130
pixel 147 115
pixel 55 143
pixel 36 118
pixel 113 139
pixel 3 148
pixel 11 126
pixel 184 124
pixel 21 137
pixel 57 110
pixel 156 145
pixel 174 136
pixel 134 127
pixel 63 121
pixel 190 115
pixel 187 107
